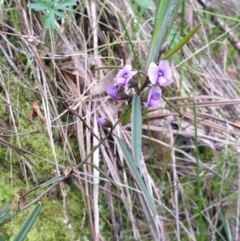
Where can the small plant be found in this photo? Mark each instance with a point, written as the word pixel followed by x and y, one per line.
pixel 54 8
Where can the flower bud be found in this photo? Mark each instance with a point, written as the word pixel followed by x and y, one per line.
pixel 116 94
pixel 112 92
pixel 104 122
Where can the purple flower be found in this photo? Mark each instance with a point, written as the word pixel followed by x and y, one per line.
pixel 160 74
pixel 101 121
pixel 115 94
pixel 104 122
pixel 154 97
pixel 112 91
pixel 124 75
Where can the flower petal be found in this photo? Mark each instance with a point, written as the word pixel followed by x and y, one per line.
pixel 127 67
pixel 167 82
pixel 112 91
pixel 101 121
pixel 153 73
pixel 161 81
pixel 165 69
pixel 152 103
pixel 124 71
pixel 120 81
pixel 130 75
pixel 154 97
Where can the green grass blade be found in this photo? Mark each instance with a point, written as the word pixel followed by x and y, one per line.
pixel 26 227
pixel 105 175
pixel 52 181
pixel 137 175
pixel 136 136
pixel 4 213
pixel 126 114
pixel 144 3
pixel 163 16
pixel 201 224
pixel 132 45
pixel 181 43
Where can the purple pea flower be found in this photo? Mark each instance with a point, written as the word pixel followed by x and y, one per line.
pixel 104 122
pixel 112 91
pixel 160 74
pixel 154 97
pixel 115 94
pixel 101 121
pixel 124 75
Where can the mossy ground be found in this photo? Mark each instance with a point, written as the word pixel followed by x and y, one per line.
pixel 33 137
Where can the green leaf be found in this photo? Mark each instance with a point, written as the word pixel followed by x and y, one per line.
pixel 53 181
pixel 126 114
pixel 2 239
pixel 146 4
pixel 163 17
pixel 49 20
pixel 105 175
pixel 4 213
pixel 50 2
pixel 65 9
pixel 181 43
pixel 26 227
pixel 129 38
pixel 136 129
pixel 38 6
pixel 137 175
pixel 61 15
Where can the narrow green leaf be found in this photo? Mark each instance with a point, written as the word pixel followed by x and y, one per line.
pixel 61 15
pixel 172 106
pixel 146 4
pixel 49 20
pixel 65 9
pixel 105 175
pixel 126 114
pixel 125 151
pixel 4 213
pixel 26 227
pixel 137 175
pixel 38 6
pixel 181 43
pixel 198 184
pixel 163 17
pixel 136 129
pixel 129 38
pixel 52 181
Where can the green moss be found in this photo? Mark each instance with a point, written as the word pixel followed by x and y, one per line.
pixel 49 225
pixel 33 137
